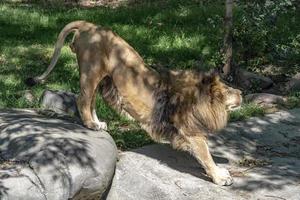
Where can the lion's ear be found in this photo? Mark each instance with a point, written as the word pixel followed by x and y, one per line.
pixel 215 74
pixel 210 78
pixel 207 79
pixel 216 78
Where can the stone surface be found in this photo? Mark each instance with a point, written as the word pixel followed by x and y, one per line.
pixel 265 99
pixel 294 83
pixel 262 154
pixel 248 80
pixel 53 159
pixel 60 102
pixel 64 104
pixel 28 95
pixel 277 89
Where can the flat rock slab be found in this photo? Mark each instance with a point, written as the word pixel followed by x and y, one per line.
pixel 263 155
pixel 53 159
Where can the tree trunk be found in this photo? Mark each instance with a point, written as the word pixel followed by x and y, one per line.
pixel 228 38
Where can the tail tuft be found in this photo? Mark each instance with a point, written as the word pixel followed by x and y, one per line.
pixel 31 82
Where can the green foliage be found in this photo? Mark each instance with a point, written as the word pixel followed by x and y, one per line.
pixel 267 32
pixel 293 100
pixel 130 139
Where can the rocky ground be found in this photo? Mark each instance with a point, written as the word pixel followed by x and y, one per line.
pixel 262 154
pixel 54 159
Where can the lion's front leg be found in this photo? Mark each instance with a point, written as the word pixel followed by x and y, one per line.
pixel 198 147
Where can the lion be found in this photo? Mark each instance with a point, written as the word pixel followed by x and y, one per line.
pixel 180 106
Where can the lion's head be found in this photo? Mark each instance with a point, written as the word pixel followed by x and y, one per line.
pixel 212 102
pixel 230 97
pixel 233 99
pixel 221 93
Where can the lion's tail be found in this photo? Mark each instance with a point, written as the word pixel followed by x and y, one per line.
pixel 73 26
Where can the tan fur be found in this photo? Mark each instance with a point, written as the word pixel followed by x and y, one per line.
pixel 182 107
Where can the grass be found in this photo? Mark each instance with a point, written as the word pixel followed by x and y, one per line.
pixel 173 33
pixel 173 37
pixel 246 111
pixel 293 100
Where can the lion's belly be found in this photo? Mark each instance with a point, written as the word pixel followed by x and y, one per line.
pixel 136 85
pixel 138 104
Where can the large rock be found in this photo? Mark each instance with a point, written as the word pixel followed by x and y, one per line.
pixel 263 155
pixel 43 158
pixel 294 83
pixel 251 81
pixel 266 100
pixel 60 102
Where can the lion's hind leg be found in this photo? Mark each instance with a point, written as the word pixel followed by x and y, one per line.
pixel 198 147
pixel 102 125
pixel 90 76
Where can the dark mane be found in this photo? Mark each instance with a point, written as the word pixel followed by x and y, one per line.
pixel 188 98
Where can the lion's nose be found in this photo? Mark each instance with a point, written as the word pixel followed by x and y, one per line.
pixel 240 101
pixel 239 91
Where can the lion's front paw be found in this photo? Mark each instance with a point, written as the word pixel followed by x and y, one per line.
pixel 221 176
pixel 96 126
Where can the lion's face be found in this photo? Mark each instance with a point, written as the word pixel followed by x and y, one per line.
pixel 228 96
pixel 233 98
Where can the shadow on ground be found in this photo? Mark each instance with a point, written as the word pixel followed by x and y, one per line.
pixel 263 154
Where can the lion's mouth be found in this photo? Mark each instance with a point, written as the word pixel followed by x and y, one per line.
pixel 234 107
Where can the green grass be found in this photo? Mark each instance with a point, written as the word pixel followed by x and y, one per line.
pixel 253 110
pixel 246 111
pixel 176 36
pixel 174 33
pixel 293 100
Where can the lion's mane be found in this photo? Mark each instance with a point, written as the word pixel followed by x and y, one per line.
pixel 186 101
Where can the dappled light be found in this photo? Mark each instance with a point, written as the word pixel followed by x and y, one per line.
pixel 262 154
pixel 275 139
pixel 21 146
pixel 260 146
pixel 50 152
pixel 164 38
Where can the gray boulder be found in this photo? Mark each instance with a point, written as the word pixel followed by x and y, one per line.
pixel 294 83
pixel 158 172
pixel 248 80
pixel 60 102
pixel 265 99
pixel 262 154
pixel 43 158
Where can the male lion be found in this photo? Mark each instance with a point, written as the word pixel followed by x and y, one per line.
pixel 182 107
